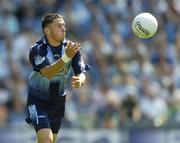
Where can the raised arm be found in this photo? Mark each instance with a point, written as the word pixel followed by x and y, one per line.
pixel 53 69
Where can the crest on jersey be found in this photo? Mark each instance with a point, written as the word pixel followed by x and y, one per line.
pixel 39 60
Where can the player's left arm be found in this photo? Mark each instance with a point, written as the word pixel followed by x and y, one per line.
pixel 80 69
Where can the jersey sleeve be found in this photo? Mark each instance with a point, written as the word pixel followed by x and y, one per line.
pixel 37 59
pixel 78 64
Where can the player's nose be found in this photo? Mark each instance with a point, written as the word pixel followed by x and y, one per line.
pixel 64 28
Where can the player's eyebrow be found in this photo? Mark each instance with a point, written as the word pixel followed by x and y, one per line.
pixel 60 22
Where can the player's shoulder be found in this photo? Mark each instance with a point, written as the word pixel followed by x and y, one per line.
pixel 38 46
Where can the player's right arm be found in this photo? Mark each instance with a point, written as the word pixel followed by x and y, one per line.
pixel 51 70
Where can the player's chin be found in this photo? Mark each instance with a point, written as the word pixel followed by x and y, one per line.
pixel 61 38
pixel 64 35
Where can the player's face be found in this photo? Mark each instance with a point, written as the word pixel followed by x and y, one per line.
pixel 57 29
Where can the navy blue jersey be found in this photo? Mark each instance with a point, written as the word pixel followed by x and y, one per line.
pixel 42 55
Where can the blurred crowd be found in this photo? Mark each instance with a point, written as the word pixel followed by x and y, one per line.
pixel 132 80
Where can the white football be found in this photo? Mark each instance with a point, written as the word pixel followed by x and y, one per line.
pixel 144 25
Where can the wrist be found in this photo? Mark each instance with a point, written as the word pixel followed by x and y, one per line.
pixel 65 58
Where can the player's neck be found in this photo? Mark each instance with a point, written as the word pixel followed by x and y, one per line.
pixel 52 42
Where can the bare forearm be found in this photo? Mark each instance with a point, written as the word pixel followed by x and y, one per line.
pixel 53 69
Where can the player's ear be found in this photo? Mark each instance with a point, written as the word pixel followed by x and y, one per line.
pixel 46 30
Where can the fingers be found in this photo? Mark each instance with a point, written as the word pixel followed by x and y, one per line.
pixel 75 78
pixel 74 46
pixel 72 49
pixel 76 83
pixel 70 45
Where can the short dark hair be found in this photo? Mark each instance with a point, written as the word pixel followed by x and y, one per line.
pixel 48 18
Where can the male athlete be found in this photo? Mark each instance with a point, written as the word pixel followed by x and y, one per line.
pixel 52 59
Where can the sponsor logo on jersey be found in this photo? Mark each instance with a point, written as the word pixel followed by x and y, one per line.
pixel 39 60
pixel 63 72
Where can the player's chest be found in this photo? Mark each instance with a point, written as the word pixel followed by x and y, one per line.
pixel 53 54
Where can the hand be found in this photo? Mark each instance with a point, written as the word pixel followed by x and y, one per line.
pixel 71 49
pixel 76 82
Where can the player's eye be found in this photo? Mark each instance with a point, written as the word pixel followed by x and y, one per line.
pixel 62 26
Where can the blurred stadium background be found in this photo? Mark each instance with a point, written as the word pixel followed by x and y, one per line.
pixel 133 89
